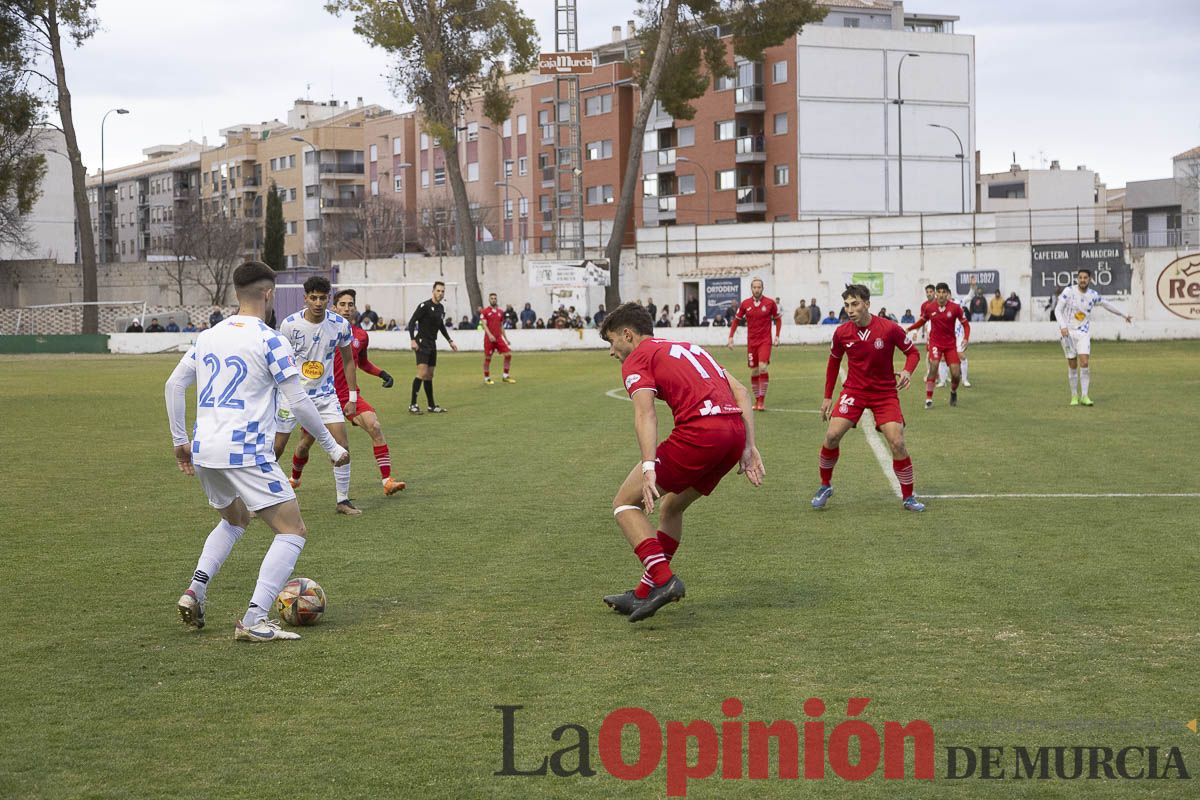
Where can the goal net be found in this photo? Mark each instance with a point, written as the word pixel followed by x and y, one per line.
pixel 67 318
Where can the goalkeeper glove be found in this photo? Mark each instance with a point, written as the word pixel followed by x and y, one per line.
pixel 387 379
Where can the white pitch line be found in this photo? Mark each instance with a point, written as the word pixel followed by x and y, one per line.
pixel 1057 494
pixel 883 453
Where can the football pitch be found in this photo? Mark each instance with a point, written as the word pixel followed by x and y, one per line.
pixel 1003 617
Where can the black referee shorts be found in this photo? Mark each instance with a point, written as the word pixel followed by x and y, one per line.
pixel 427 354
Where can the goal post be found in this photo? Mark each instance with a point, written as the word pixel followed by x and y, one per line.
pixel 49 319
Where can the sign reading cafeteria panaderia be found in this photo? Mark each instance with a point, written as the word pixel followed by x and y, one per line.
pixel 1055 267
pixel 566 63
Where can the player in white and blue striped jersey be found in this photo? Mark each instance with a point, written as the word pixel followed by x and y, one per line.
pixel 316 333
pixel 238 366
pixel 1074 314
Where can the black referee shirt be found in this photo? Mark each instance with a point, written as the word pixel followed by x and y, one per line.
pixel 426 322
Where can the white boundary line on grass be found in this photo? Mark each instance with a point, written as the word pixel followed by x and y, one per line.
pixel 883 453
pixel 619 394
pixel 1020 495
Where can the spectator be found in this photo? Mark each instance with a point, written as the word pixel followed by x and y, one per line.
pixel 189 328
pixel 883 312
pixel 474 320
pixel 528 316
pixel 718 321
pixel 135 326
pixel 830 320
pixel 203 326
pixel 681 321
pixel 598 319
pixel 465 324
pixel 996 308
pixel 155 326
pixel 561 322
pixel 172 327
pixel 815 311
pixel 664 321
pixel 731 311
pixel 1012 307
pixel 510 317
pixel 908 318
pixel 393 325
pixel 691 310
pixel 978 306
pixel 704 323
pixel 368 320
pixel 653 309
pixel 215 317
pixel 540 324
pixel 842 317
pixel 677 311
pixel 801 315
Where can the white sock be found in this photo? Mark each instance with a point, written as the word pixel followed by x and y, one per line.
pixel 341 481
pixel 963 364
pixel 943 372
pixel 1072 377
pixel 277 566
pixel 217 548
pixel 1085 380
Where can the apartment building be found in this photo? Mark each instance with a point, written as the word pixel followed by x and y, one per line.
pixel 1165 212
pixel 136 220
pixel 1050 205
pixel 51 222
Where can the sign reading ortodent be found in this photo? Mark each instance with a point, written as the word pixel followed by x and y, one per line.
pixel 566 63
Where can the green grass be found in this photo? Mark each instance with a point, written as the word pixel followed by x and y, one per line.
pixel 1000 621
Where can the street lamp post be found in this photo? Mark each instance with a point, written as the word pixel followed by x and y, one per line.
pixel 962 157
pixel 320 221
pixel 103 195
pixel 517 217
pixel 707 187
pixel 401 167
pixel 496 133
pixel 899 101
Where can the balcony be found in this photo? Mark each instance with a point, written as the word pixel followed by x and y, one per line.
pixel 751 150
pixel 1172 237
pixel 250 184
pixel 335 205
pixel 656 210
pixel 658 161
pixel 347 170
pixel 547 134
pixel 751 200
pixel 749 99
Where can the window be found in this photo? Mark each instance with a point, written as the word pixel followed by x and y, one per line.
pixel 374 152
pixel 1008 190
pixel 544 202
pixel 686 137
pixel 687 184
pixel 724 82
pixel 292 227
pixel 274 164
pixel 783 218
pixel 397 184
pixel 506 128
pixel 472 131
pixel 291 161
pixel 723 131
pixel 779 72
pixel 312 225
pixel 374 188
pixel 439 176
pixel 523 206
pixel 424 141
pixel 598 150
pixel 523 165
pixel 726 179
pixel 522 125
pixel 782 175
pixel 424 177
pixel 780 123
pixel 508 168
pixel 397 146
pixel 291 194
pixel 599 195
pixel 508 208
pixel 473 171
pixel 599 104
pixel 849 22
pixel 310 190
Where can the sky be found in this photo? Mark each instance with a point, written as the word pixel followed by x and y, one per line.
pixel 1110 84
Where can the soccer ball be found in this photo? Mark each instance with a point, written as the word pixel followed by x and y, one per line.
pixel 302 602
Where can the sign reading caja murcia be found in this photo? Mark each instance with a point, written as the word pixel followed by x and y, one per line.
pixel 1179 287
pixel 551 274
pixel 566 63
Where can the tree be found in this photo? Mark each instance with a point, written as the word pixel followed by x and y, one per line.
pixel 273 235
pixel 21 164
pixel 376 229
pixel 184 226
pixel 208 246
pixel 38 27
pixel 680 57
pixel 447 52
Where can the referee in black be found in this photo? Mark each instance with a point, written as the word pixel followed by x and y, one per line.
pixel 427 321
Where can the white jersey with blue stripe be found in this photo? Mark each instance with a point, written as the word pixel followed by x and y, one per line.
pixel 237 363
pixel 1074 308
pixel 313 345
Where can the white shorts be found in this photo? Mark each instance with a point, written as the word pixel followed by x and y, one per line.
pixel 1077 343
pixel 259 486
pixel 328 406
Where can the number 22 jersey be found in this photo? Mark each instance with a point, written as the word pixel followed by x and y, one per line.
pixel 683 375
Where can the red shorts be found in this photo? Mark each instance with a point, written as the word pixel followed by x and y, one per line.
pixel 360 405
pixel 758 353
pixel 699 453
pixel 853 402
pixel 499 345
pixel 947 354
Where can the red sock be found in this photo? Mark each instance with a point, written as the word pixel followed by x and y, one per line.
pixel 904 474
pixel 756 386
pixel 487 366
pixel 654 560
pixel 764 379
pixel 929 390
pixel 384 459
pixel 298 466
pixel 826 464
pixel 669 547
pixel 507 364
pixel 953 383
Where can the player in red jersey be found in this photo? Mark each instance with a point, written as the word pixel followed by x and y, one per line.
pixel 494 340
pixel 758 312
pixel 943 344
pixel 869 344
pixel 714 431
pixel 365 416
